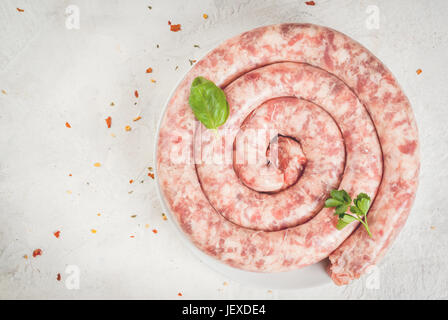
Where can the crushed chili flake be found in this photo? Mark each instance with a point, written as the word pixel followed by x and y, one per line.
pixel 149 70
pixel 108 121
pixel 132 236
pixel 128 128
pixel 112 104
pixel 175 27
pixel 433 228
pixel 310 3
pixel 98 214
pixel 97 164
pixel 225 283
pixel 68 125
pixel 25 256
pixel 419 71
pixel 180 294
pixel 164 217
pixel 37 252
pixel 58 277
pixel 146 226
pixel 57 234
pixel 3 91
pixel 151 175
pixel 153 80
pixel 20 10
pixel 150 168
pixel 69 174
pixel 93 230
pixel 131 181
pixel 136 119
pixel 191 62
pixel 205 16
pixel 136 93
pixel 154 230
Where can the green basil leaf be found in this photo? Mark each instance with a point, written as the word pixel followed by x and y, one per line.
pixel 363 205
pixel 355 210
pixel 341 224
pixel 332 203
pixel 341 209
pixel 348 218
pixel 208 103
pixel 337 194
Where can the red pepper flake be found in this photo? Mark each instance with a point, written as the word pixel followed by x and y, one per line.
pixel 175 27
pixel 25 256
pixel 57 234
pixel 154 231
pixel 58 277
pixel 37 252
pixel 205 16
pixel 68 125
pixel 136 93
pixel 108 121
pixel 180 294
pixel 69 174
pixel 131 181
pixel 149 70
pixel 419 71
pixel 20 10
pixel 151 175
pixel 310 3
pixel 128 128
pixel 132 236
pixel 136 119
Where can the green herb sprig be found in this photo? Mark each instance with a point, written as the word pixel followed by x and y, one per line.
pixel 341 201
pixel 209 103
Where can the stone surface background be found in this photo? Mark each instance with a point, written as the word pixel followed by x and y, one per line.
pixel 50 75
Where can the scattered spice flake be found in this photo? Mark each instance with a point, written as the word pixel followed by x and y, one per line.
pixel 269 291
pixel 149 7
pixel 136 119
pixel 136 93
pixel 112 104
pixel 3 91
pixel 58 277
pixel 164 217
pixel 57 234
pixel 153 80
pixel 131 181
pixel 93 230
pixel 25 256
pixel 157 46
pixel 150 168
pixel 130 192
pixel 149 70
pixel 154 231
pixel 20 10
pixel 310 3
pixel 108 121
pixel 175 27
pixel 132 236
pixel 68 125
pixel 147 226
pixel 37 252
pixel 113 135
pixel 433 228
pixel 128 128
pixel 419 71
pixel 151 175
pixel 205 16
pixel 177 68
pixel 97 164
pixel 98 214
pixel 225 283
pixel 192 62
pixel 134 216
pixel 196 46
pixel 69 174
pixel 180 294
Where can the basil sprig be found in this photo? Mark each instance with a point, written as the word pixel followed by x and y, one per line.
pixel 208 103
pixel 341 201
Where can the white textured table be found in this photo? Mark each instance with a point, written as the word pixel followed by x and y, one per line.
pixel 52 73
